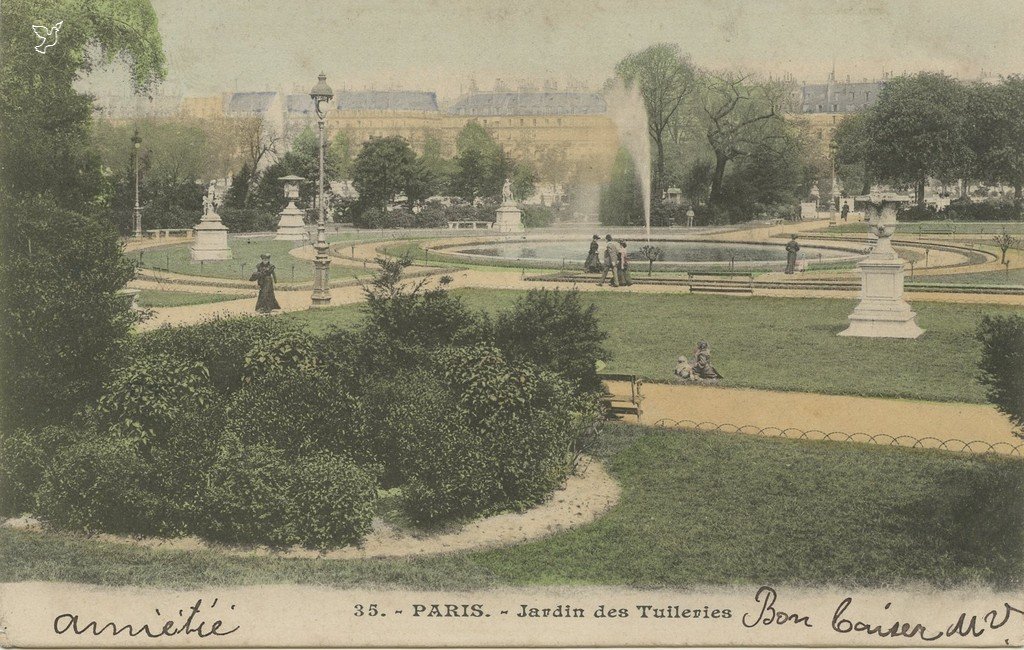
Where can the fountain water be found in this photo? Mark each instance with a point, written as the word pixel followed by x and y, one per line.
pixel 626 108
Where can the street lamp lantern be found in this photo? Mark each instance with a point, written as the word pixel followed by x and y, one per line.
pixel 321 94
pixel 137 212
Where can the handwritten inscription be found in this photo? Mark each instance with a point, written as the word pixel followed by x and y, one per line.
pixel 191 624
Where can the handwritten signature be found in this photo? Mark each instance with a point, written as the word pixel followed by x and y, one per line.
pixel 963 624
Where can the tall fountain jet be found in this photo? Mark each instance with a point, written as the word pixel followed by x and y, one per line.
pixel 628 112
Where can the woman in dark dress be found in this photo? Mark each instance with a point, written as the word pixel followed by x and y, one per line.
pixel 593 263
pixel 265 277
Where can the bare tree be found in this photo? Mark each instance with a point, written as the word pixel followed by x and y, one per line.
pixel 257 140
pixel 665 79
pixel 1005 241
pixel 740 115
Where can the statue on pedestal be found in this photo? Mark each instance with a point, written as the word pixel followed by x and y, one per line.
pixel 506 192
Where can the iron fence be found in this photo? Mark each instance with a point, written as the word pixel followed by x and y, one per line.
pixel 792 433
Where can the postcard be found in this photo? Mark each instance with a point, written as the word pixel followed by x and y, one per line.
pixel 467 323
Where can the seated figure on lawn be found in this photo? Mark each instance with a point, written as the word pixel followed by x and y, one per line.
pixel 700 369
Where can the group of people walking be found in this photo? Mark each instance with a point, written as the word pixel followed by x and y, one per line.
pixel 614 260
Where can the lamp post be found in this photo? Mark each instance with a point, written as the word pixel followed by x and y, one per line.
pixel 833 193
pixel 137 212
pixel 321 94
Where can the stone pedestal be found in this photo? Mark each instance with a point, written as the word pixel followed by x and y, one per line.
pixel 291 226
pixel 808 210
pixel 210 239
pixel 882 312
pixel 509 219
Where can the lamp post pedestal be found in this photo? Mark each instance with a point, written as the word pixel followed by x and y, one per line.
pixel 321 268
pixel 137 215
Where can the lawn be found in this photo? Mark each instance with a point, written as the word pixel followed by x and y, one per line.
pixel 1013 277
pixel 152 298
pixel 696 509
pixel 246 253
pixel 915 227
pixel 772 343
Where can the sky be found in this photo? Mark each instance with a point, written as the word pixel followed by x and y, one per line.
pixel 214 47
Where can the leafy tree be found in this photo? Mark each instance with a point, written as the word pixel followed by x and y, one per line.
pixel 622 202
pixel 919 128
pixel 239 191
pixel 386 167
pixel 740 116
pixel 61 263
pixel 62 320
pixel 770 175
pixel 996 131
pixel 340 149
pixel 666 80
pixel 481 165
pixel 851 140
pixel 43 120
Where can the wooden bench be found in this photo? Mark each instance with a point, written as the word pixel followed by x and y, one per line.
pixel 943 229
pixel 730 283
pixel 623 403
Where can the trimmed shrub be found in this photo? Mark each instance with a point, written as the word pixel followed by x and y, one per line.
pixel 330 501
pixel 298 411
pixel 258 496
pixel 97 485
pixel 994 210
pixel 920 213
pixel 1002 364
pixel 248 219
pixel 247 500
pixel 537 216
pixel 24 456
pixel 147 396
pixel 220 344
pixel 553 330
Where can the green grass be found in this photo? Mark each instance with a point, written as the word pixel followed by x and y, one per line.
pixel 246 253
pixel 1014 277
pixel 153 298
pixel 696 509
pixel 772 343
pixel 914 228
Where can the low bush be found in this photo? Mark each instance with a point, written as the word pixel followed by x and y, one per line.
pixel 1002 364
pixel 220 344
pixel 330 501
pixel 24 456
pixel 537 216
pixel 145 397
pixel 248 219
pixel 552 329
pixel 259 496
pixel 993 210
pixel 98 485
pixel 920 213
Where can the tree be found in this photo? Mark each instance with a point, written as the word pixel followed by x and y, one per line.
pixel 61 263
pixel 384 168
pixel 622 203
pixel 665 79
pixel 481 166
pixel 740 116
pixel 43 120
pixel 851 139
pixel 919 128
pixel 996 131
pixel 259 142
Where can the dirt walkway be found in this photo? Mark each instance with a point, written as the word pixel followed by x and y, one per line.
pixel 712 407
pixel 584 498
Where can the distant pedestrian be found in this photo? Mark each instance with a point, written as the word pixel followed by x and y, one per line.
pixel 265 278
pixel 845 212
pixel 611 259
pixel 593 263
pixel 792 248
pixel 624 278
